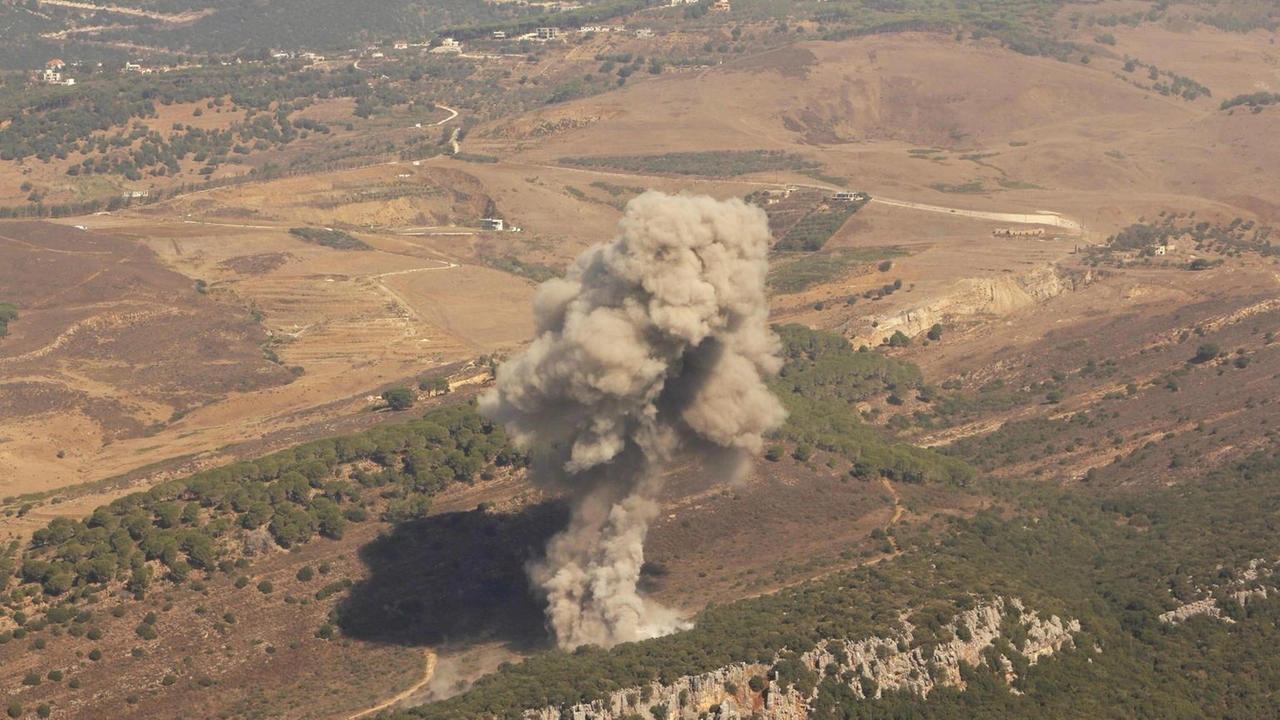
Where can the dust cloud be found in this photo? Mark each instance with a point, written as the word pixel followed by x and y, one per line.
pixel 653 347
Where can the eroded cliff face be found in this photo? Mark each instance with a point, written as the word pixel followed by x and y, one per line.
pixel 978 297
pixel 868 667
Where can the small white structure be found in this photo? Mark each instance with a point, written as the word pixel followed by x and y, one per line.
pixel 644 33
pixel 548 33
pixel 848 197
pixel 448 45
pixel 494 224
pixel 400 45
pixel 499 34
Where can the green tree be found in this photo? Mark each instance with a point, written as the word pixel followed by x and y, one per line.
pixel 399 398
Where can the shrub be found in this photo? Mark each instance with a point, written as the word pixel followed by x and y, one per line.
pixel 1206 352
pixel 265 587
pixel 305 573
pixel 15 710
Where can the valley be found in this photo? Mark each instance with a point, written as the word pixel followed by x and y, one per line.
pixel 1026 310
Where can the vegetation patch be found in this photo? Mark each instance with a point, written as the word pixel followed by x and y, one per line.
pixel 1114 563
pixel 972 187
pixel 536 272
pixel 336 239
pixel 1172 232
pixel 816 228
pixel 287 498
pixel 716 163
pixel 1254 100
pixel 793 275
pixel 8 313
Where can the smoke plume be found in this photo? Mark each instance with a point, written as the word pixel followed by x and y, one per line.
pixel 652 347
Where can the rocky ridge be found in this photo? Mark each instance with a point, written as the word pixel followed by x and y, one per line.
pixel 869 667
pixel 980 296
pixel 1248 584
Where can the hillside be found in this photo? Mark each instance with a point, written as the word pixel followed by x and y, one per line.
pixel 1021 273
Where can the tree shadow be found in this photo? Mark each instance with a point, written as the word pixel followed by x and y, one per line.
pixel 455 578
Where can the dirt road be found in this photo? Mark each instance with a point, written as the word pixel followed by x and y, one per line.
pixel 1041 217
pixel 179 18
pixel 427 674
pixel 1037 218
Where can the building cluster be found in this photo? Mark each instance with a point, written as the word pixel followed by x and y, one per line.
pixel 53 73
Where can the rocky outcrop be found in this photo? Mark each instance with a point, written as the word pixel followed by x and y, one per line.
pixel 982 296
pixel 1247 585
pixel 869 667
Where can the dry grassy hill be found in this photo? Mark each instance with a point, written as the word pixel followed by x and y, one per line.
pixel 1055 361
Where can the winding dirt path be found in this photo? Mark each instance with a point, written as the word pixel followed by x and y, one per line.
pixel 135 12
pixel 427 674
pixel 897 513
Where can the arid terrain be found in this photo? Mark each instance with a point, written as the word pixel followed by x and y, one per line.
pixel 182 335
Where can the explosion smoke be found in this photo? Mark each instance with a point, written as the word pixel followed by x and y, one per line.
pixel 653 346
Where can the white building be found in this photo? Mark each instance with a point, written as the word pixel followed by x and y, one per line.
pixel 548 33
pixel 492 224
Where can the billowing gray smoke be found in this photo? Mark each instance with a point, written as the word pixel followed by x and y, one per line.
pixel 652 347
